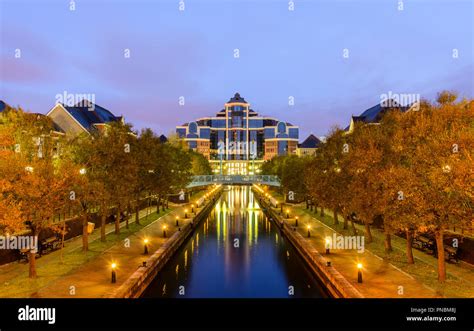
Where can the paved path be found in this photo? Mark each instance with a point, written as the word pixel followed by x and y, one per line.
pixel 92 278
pixel 380 278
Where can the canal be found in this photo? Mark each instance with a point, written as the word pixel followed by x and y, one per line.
pixel 237 252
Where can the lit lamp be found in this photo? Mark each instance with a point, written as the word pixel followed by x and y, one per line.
pixel 145 246
pixel 164 231
pixel 114 274
pixel 83 171
pixel 192 209
pixel 177 220
pixel 328 244
pixel 287 213
pixel 359 272
pixel 309 228
pixel 296 221
pixel 185 213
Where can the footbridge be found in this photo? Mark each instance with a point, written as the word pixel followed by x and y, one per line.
pixel 204 180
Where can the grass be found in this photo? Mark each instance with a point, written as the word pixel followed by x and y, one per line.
pixel 49 267
pixel 424 270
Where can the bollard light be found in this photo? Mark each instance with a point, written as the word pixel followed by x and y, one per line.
pixel 309 232
pixel 359 272
pixel 296 221
pixel 145 246
pixel 177 220
pixel 287 213
pixel 114 274
pixel 192 209
pixel 328 243
pixel 185 213
pixel 164 231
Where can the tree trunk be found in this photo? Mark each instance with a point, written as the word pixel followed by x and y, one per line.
pixel 388 242
pixel 440 252
pixel 85 234
pixel 32 258
pixel 137 212
pixel 345 222
pixel 354 230
pixel 117 221
pixel 368 234
pixel 103 219
pixel 129 212
pixel 321 213
pixel 336 221
pixel 410 258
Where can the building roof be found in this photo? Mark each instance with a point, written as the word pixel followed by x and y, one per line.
pixel 237 98
pixel 163 139
pixel 88 114
pixel 3 105
pixel 375 113
pixel 311 142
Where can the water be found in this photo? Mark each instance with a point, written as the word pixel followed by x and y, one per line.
pixel 236 253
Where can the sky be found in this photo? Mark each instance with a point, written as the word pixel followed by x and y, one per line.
pixel 333 58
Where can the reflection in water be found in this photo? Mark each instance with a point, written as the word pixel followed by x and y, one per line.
pixel 236 252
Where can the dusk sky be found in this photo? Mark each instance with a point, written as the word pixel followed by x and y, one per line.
pixel 190 53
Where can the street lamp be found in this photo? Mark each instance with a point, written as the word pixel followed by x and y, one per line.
pixel 309 228
pixel 82 171
pixel 177 220
pixel 164 231
pixel 359 272
pixel 328 244
pixel 29 169
pixel 296 221
pixel 145 246
pixel 114 275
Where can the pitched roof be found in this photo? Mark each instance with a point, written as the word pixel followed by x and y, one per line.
pixel 375 113
pixel 163 139
pixel 237 98
pixel 88 114
pixel 3 105
pixel 311 142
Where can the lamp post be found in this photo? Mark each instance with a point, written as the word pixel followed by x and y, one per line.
pixel 359 272
pixel 296 221
pixel 192 209
pixel 328 242
pixel 287 213
pixel 114 274
pixel 309 232
pixel 145 246
pixel 185 213
pixel 164 231
pixel 177 220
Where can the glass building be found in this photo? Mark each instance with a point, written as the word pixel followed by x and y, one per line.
pixel 237 140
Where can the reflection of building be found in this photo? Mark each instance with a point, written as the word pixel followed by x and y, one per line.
pixel 309 146
pixel 237 140
pixel 83 117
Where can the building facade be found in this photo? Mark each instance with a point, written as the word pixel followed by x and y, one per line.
pixel 309 146
pixel 237 140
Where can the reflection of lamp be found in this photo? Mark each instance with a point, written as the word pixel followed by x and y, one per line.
pixel 359 272
pixel 114 275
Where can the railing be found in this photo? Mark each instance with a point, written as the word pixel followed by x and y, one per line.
pixel 234 179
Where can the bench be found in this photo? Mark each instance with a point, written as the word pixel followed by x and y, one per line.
pixel 451 253
pixel 424 243
pixel 49 244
